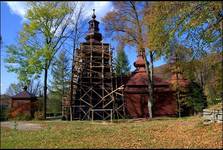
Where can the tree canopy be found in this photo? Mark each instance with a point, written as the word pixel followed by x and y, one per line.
pixel 188 21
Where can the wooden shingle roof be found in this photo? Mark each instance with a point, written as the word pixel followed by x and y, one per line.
pixel 24 95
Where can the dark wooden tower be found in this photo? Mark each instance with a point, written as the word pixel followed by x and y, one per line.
pixel 94 94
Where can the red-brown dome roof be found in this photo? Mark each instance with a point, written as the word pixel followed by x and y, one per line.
pixel 140 62
pixel 139 77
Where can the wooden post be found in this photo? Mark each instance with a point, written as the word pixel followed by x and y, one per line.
pixel 91 57
pixel 71 117
pixel 102 76
pixel 92 115
pixel 62 107
pixel 111 70
pixel 111 114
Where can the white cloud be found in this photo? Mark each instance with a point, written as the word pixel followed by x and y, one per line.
pixel 101 8
pixel 18 8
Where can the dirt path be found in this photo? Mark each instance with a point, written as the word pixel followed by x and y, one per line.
pixel 20 125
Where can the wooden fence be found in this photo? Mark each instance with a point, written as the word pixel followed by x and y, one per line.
pixel 52 116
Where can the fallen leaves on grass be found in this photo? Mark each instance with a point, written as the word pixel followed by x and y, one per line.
pixel 161 133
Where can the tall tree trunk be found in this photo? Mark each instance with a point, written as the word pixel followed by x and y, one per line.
pixel 178 86
pixel 151 74
pixel 72 85
pixel 72 71
pixel 150 91
pixel 178 97
pixel 143 53
pixel 63 94
pixel 74 48
pixel 45 91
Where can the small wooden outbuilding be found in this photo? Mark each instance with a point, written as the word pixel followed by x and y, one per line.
pixel 23 103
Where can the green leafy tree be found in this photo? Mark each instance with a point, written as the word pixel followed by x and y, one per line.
pixel 40 39
pixel 18 59
pixel 193 21
pixel 61 81
pixel 121 62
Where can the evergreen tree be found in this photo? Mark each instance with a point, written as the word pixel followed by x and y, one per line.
pixel 61 74
pixel 121 62
pixel 195 100
pixel 60 82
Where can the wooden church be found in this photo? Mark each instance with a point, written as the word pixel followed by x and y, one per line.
pixel 99 94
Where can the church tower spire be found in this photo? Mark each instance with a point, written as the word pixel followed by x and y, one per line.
pixel 93 34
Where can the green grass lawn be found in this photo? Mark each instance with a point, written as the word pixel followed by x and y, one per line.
pixel 157 133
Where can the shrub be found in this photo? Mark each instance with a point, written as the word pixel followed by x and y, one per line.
pixel 22 116
pixel 38 115
pixel 4 111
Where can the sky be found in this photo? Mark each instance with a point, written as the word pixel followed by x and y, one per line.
pixel 13 17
